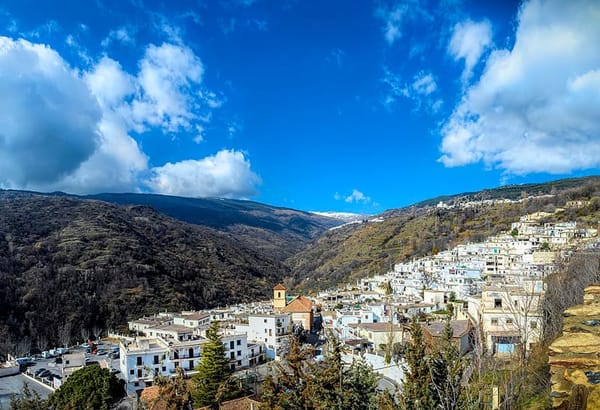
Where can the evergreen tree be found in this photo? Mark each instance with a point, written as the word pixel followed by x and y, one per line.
pixel 417 379
pixel 89 388
pixel 293 378
pixel 213 371
pixel 325 386
pixel 447 369
pixel 360 387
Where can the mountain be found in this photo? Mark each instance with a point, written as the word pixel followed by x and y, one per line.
pixel 276 232
pixel 342 216
pixel 352 251
pixel 68 263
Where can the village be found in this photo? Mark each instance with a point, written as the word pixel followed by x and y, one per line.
pixel 491 294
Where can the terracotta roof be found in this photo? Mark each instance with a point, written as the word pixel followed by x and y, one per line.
pixel 459 328
pixel 279 286
pixel 299 305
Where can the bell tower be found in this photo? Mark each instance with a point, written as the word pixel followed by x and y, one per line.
pixel 279 296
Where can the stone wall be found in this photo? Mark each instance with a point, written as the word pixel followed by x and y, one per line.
pixel 574 357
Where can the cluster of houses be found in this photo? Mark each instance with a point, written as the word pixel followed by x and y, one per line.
pixel 491 292
pixel 251 334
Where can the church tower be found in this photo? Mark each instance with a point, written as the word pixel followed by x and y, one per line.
pixel 279 296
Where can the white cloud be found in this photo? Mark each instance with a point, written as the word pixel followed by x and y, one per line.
pixel 469 41
pixel 424 83
pixel 393 19
pixel 48 119
pixel 399 15
pixel 421 90
pixel 63 129
pixel 356 196
pixel 535 107
pixel 169 95
pixel 226 174
pixel 123 35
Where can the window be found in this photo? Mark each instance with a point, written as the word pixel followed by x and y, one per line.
pixel 239 342
pixel 494 322
pixel 232 355
pixel 516 303
pixel 278 295
pixel 509 321
pixel 239 362
pixel 139 361
pixel 139 373
pixel 533 325
pixel 265 321
pixel 164 368
pixel 131 372
pixel 239 352
pixel 497 303
pixel 155 359
pixel 231 345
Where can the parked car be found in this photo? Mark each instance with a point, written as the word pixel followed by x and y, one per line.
pixel 38 371
pixel 44 373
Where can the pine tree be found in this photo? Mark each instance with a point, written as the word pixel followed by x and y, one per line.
pixel 326 385
pixel 447 369
pixel 360 387
pixel 416 393
pixel 213 371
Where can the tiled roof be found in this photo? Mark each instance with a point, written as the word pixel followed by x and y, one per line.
pixel 279 286
pixel 459 328
pixel 299 305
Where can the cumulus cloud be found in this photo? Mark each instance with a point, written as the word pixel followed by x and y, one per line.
pixel 169 89
pixel 48 119
pixel 469 41
pixel 356 196
pixel 226 174
pixel 535 107
pixel 64 129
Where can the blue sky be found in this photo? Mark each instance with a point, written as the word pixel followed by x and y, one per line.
pixel 349 106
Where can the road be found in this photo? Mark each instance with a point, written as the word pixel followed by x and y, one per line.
pixel 14 385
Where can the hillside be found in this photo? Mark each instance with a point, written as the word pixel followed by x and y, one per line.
pixel 68 263
pixel 274 231
pixel 347 253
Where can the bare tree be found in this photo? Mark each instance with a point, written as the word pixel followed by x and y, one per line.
pixel 97 331
pixel 85 334
pixel 41 342
pixel 64 334
pixel 22 347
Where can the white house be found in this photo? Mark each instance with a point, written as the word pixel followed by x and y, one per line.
pixel 271 329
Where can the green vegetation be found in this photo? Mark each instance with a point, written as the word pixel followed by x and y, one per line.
pixel 89 388
pixel 71 267
pixel 212 381
pixel 300 383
